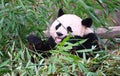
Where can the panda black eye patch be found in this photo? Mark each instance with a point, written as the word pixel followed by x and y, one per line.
pixel 58 26
pixel 69 29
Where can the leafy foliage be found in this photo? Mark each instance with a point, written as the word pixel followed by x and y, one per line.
pixel 18 18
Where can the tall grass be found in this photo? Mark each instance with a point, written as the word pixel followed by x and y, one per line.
pixel 18 18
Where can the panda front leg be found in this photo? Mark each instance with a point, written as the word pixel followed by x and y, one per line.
pixel 39 44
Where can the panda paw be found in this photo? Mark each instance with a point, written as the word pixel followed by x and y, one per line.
pixel 34 40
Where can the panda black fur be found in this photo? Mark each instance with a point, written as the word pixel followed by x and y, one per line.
pixel 60 29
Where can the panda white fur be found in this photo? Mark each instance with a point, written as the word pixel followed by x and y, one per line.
pixel 64 25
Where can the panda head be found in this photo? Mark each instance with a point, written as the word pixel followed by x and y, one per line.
pixel 67 24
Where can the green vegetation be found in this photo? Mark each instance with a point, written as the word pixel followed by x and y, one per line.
pixel 18 18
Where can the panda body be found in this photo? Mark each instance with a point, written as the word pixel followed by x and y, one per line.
pixel 64 25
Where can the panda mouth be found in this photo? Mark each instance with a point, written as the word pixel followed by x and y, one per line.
pixel 58 39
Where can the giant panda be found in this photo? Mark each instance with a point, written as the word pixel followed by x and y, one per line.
pixel 63 26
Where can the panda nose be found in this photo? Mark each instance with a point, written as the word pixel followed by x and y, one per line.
pixel 59 34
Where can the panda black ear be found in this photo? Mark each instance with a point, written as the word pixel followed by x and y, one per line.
pixel 87 22
pixel 60 12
